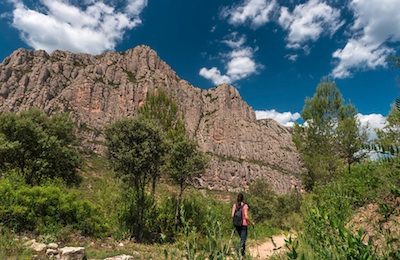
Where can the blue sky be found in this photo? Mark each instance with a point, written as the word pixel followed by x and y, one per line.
pixel 274 52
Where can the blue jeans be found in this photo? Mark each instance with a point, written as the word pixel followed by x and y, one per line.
pixel 242 231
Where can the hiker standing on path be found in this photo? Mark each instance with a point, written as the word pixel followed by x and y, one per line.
pixel 241 220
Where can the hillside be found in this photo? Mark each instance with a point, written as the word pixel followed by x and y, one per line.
pixel 96 90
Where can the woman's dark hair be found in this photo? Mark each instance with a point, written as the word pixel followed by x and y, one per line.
pixel 240 198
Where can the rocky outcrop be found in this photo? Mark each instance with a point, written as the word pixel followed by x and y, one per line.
pixel 96 90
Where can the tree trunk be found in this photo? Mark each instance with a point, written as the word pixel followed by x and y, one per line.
pixel 178 205
pixel 349 167
pixel 153 186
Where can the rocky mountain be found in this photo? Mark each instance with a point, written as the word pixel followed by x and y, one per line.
pixel 96 90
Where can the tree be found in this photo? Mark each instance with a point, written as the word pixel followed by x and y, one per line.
pixel 389 136
pixel 161 109
pixel 184 162
pixel 350 136
pixel 38 146
pixel 163 112
pixel 136 148
pixel 327 119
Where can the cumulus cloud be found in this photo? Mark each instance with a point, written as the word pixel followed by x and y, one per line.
pixel 308 21
pixel 239 62
pixel 254 12
pixel 371 123
pixel 286 118
pixel 376 23
pixel 58 24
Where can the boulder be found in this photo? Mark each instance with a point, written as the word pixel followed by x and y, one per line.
pixel 38 247
pixel 52 246
pixel 72 253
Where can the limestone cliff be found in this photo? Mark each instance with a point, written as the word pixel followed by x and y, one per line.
pixel 96 90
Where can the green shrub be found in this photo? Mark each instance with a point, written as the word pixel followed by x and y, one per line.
pixel 38 146
pixel 46 209
pixel 280 211
pixel 196 209
pixel 329 208
pixel 131 206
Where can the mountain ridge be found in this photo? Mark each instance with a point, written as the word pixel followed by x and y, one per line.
pixel 98 89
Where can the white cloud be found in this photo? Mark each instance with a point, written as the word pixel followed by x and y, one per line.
pixel 376 23
pixel 286 118
pixel 58 24
pixel 214 75
pixel 255 12
pixel 308 21
pixel 239 62
pixel 292 57
pixel 371 123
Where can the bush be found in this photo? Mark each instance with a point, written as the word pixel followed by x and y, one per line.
pixel 38 146
pixel 196 209
pixel 329 208
pixel 281 211
pixel 131 206
pixel 46 209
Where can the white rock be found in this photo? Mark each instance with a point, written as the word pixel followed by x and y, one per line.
pixel 120 257
pixel 72 253
pixel 121 244
pixel 38 247
pixel 52 245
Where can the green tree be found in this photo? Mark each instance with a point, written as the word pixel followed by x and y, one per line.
pixel 38 146
pixel 350 136
pixel 184 162
pixel 136 149
pixel 389 136
pixel 327 119
pixel 161 109
pixel 163 112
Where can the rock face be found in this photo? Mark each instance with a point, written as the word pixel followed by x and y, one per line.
pixel 96 90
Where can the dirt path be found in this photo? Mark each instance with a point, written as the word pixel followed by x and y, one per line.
pixel 272 246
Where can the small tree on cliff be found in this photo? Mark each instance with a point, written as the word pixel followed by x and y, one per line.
pixel 184 162
pixel 136 148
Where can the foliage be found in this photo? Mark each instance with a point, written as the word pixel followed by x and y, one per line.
pixel 329 208
pixel 46 209
pixel 163 112
pixel 196 208
pixel 10 247
pixel 389 137
pixel 160 109
pixel 327 117
pixel 280 211
pixel 350 136
pixel 183 163
pixel 40 147
pixel 131 207
pixel 136 149
pixel 216 246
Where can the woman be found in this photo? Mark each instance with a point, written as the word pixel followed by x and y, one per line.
pixel 241 220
